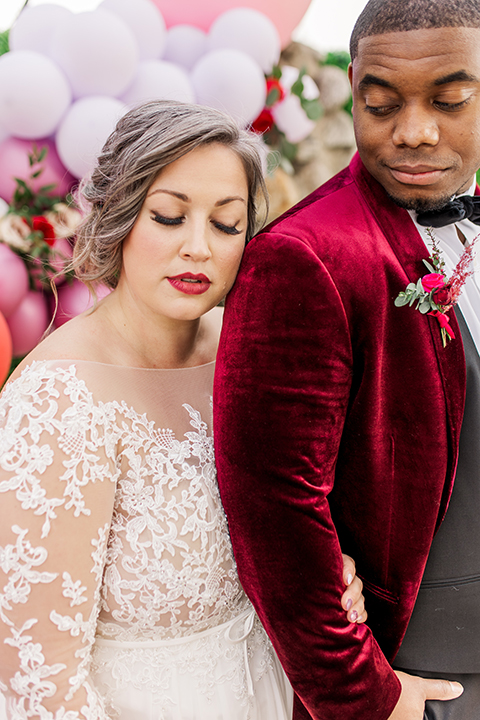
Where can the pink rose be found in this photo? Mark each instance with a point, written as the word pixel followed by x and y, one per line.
pixel 432 281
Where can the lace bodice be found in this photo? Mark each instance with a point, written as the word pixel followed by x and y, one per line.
pixel 111 524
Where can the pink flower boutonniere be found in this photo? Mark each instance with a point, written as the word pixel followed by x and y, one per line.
pixel 434 293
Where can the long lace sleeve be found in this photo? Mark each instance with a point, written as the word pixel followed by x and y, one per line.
pixel 57 488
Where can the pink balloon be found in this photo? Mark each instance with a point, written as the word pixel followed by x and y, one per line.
pixel 28 323
pixel 13 280
pixel 14 163
pixel 285 14
pixel 74 298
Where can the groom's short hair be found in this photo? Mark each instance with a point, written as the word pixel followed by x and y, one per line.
pixel 385 16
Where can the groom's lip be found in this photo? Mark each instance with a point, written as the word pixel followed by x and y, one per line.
pixel 417 174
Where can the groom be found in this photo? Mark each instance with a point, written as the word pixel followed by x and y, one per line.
pixel 339 415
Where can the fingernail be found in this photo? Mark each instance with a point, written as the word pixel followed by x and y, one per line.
pixel 456 688
pixel 349 603
pixel 349 579
pixel 354 616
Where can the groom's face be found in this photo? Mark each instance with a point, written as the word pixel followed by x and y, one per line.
pixel 416 111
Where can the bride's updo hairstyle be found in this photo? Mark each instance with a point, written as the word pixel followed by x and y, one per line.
pixel 145 140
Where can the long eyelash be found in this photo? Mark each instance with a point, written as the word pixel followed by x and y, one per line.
pixel 228 229
pixel 167 220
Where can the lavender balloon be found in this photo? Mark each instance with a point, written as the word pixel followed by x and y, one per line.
pixel 34 94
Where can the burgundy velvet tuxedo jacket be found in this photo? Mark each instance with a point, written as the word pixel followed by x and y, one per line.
pixel 337 419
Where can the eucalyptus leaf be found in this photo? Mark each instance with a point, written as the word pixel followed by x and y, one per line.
pixel 272 97
pixel 276 72
pixel 312 108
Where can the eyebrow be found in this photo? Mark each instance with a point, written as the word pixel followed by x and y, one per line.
pixel 178 195
pixel 460 76
pixel 185 198
pixel 220 203
pixel 368 80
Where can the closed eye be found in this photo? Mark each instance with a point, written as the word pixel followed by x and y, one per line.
pixel 381 110
pixel 451 107
pixel 227 229
pixel 163 220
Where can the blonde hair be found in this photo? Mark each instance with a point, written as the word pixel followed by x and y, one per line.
pixel 145 140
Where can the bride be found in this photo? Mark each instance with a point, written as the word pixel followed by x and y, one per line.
pixel 119 595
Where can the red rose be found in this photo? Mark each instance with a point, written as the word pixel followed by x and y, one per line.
pixel 442 296
pixel 432 281
pixel 275 92
pixel 41 224
pixel 264 122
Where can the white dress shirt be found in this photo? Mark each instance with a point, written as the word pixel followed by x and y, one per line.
pixel 451 249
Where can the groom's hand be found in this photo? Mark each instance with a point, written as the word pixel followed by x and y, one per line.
pixel 416 690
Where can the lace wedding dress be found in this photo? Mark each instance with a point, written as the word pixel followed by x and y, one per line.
pixel 119 596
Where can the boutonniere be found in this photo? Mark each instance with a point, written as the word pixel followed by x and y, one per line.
pixel 434 293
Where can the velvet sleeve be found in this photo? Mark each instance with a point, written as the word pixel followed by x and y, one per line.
pixel 281 396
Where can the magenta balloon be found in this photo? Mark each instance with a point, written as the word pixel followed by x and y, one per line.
pixel 14 163
pixel 13 280
pixel 5 349
pixel 285 14
pixel 28 323
pixel 74 299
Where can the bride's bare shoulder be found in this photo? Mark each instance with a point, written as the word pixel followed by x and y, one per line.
pixel 78 339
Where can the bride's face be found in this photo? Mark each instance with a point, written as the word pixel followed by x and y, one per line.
pixel 182 255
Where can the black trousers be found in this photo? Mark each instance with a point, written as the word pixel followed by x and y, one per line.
pixel 465 707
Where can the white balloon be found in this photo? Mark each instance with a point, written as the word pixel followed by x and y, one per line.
pixel 35 27
pixel 145 21
pixel 290 75
pixel 185 45
pixel 250 31
pixel 97 51
pixel 159 80
pixel 231 81
pixel 84 130
pixel 292 119
pixel 34 94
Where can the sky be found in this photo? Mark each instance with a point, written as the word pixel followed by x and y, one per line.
pixel 326 26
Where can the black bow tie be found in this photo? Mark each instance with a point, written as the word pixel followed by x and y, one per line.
pixel 462 208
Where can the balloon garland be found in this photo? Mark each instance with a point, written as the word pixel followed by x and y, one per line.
pixel 67 78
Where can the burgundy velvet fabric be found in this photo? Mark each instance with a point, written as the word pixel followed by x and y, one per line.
pixel 337 418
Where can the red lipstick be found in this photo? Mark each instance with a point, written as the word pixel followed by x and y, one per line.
pixel 189 283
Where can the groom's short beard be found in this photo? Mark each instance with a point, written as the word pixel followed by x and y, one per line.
pixel 420 205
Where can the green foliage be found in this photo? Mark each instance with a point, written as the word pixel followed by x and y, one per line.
pixel 478 177
pixel 312 108
pixel 27 202
pixel 340 59
pixel 4 46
